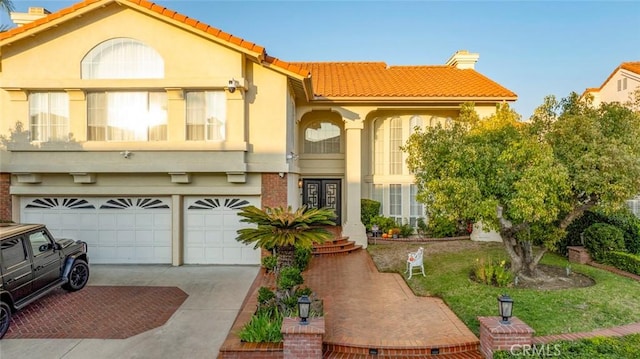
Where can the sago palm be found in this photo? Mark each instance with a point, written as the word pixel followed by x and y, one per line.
pixel 285 229
pixel 6 6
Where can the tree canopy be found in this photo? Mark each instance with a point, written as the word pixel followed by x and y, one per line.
pixel 528 180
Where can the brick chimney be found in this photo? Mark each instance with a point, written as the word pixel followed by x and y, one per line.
pixel 463 59
pixel 35 13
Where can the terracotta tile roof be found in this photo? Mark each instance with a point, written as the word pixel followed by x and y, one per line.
pixel 631 66
pixel 145 4
pixel 376 79
pixel 289 66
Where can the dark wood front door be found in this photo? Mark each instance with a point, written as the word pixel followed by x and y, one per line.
pixel 318 193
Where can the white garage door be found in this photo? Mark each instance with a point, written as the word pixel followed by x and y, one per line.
pixel 117 229
pixel 210 231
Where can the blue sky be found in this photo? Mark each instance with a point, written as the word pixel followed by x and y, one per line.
pixel 534 48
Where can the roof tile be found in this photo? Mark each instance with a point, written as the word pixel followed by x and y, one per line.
pixel 373 79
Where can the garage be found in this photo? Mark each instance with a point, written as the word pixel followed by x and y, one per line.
pixel 118 230
pixel 210 231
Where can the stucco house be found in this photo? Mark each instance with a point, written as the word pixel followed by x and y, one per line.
pixel 619 86
pixel 144 130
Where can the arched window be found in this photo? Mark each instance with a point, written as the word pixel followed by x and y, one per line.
pixel 122 58
pixel 322 137
pixel 415 121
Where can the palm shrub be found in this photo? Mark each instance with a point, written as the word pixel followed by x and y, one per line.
pixel 284 229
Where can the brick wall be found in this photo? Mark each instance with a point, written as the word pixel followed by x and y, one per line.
pixel 302 341
pixel 274 190
pixel 5 196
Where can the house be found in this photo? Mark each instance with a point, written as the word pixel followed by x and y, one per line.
pixel 146 148
pixel 620 87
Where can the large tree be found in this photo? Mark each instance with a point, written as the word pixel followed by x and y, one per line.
pixel 528 180
pixel 6 6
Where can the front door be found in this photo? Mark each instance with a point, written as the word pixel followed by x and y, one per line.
pixel 318 193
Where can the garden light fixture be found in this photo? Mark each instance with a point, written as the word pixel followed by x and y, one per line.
pixel 304 306
pixel 505 305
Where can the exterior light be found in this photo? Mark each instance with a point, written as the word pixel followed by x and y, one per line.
pixel 505 306
pixel 304 306
pixel 300 183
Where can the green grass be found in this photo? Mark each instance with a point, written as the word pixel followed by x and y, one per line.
pixel 612 301
pixel 627 347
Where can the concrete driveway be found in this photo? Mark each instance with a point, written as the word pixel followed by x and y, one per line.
pixel 196 330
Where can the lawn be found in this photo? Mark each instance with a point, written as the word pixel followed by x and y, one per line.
pixel 612 301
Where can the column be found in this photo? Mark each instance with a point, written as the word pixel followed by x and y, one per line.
pixel 302 341
pixel 495 335
pixel 353 227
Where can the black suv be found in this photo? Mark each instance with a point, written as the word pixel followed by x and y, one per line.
pixel 32 263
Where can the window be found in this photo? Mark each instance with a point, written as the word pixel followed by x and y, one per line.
pixel 206 115
pixel 378 146
pixel 415 121
pixel 13 252
pixel 39 243
pixel 322 137
pixel 395 141
pixel 624 83
pixel 395 202
pixel 416 209
pixel 127 116
pixel 122 58
pixel 49 116
pixel 378 195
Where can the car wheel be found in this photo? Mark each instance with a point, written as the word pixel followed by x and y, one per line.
pixel 5 318
pixel 78 276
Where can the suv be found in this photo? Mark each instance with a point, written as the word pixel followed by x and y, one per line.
pixel 32 263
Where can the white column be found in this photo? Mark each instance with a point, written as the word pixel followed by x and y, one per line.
pixel 177 230
pixel 353 227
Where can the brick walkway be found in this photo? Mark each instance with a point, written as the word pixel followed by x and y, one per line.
pixel 103 312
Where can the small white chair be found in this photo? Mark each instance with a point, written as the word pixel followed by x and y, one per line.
pixel 414 260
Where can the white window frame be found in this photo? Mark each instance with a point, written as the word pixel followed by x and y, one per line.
pixel 122 58
pixel 49 116
pixel 116 116
pixel 206 113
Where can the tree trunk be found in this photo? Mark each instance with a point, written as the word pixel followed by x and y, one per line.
pixel 523 261
pixel 286 256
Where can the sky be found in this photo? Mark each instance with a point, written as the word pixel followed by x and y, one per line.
pixel 534 48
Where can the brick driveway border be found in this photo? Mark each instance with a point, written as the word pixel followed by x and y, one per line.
pixel 101 312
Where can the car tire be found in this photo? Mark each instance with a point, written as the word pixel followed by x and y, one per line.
pixel 78 276
pixel 5 318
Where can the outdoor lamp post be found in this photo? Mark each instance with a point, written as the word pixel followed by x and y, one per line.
pixel 304 306
pixel 505 305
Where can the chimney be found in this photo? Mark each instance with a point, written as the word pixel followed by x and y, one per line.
pixel 35 13
pixel 463 59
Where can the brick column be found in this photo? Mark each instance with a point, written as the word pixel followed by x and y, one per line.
pixel 578 254
pixel 497 336
pixel 5 197
pixel 302 341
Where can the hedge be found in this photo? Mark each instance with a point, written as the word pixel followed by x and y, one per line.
pixel 625 261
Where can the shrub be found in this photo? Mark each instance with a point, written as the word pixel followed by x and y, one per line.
pixel 440 227
pixel 627 262
pixel 384 223
pixel 269 262
pixel 265 294
pixel 596 347
pixel 289 277
pixel 422 226
pixel 492 273
pixel 263 327
pixel 302 258
pixel 369 209
pixel 406 230
pixel 623 219
pixel 601 238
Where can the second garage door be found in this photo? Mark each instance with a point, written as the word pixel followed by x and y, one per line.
pixel 210 231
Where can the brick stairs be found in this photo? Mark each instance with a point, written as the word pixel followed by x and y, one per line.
pixel 338 245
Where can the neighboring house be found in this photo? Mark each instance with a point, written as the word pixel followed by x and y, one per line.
pixel 620 87
pixel 146 130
